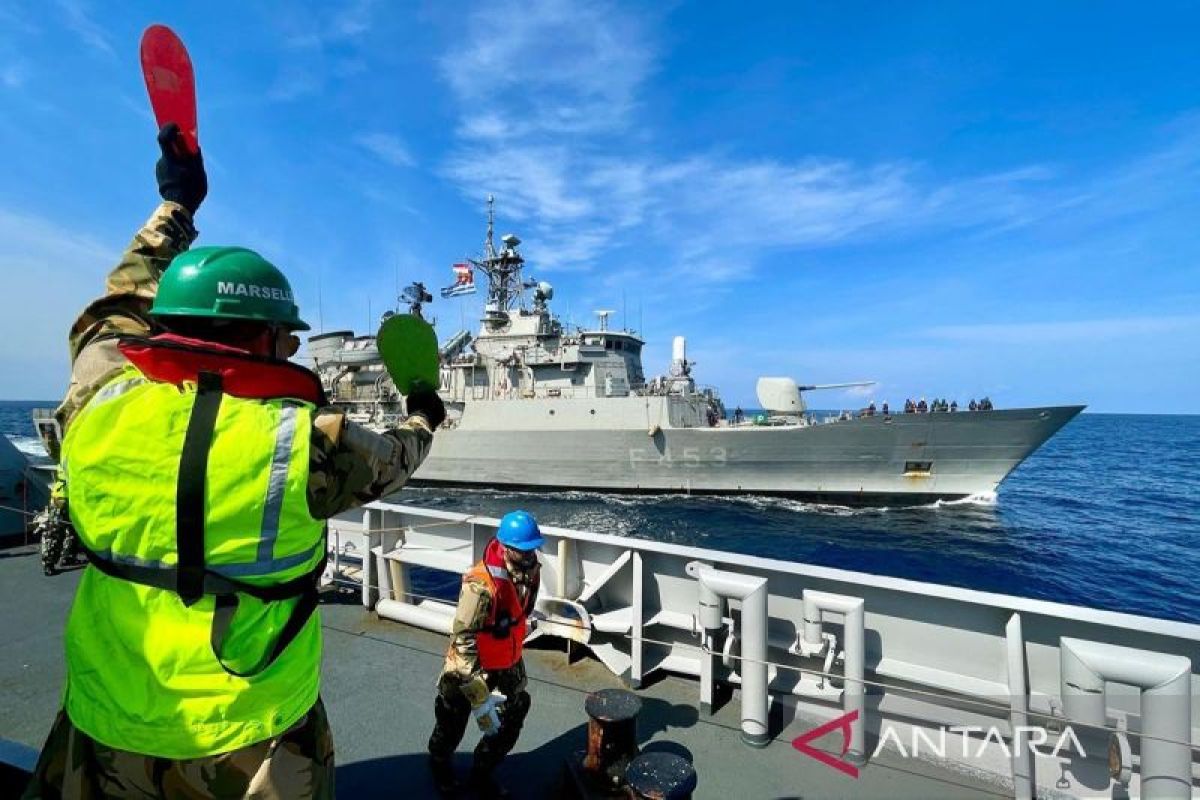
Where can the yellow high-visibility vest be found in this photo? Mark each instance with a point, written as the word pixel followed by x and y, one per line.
pixel 178 646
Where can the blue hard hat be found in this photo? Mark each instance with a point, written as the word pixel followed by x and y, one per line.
pixel 519 530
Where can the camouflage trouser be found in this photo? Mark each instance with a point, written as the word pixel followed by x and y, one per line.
pixel 452 712
pixel 297 764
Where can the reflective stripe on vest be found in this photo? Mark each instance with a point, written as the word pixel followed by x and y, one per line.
pixel 147 671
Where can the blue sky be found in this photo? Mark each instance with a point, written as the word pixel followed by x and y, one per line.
pixel 951 199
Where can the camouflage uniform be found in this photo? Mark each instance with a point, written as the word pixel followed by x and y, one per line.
pixel 59 544
pixel 451 708
pixel 298 763
pixel 349 466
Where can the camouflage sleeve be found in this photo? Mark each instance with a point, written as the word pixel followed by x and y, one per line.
pixel 129 290
pixel 462 657
pixel 351 465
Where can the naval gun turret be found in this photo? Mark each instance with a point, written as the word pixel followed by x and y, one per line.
pixel 783 397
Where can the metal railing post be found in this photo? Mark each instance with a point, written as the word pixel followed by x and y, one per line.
pixel 752 591
pixel 854 647
pixel 1166 706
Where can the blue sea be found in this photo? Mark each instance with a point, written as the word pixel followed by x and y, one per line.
pixel 1106 514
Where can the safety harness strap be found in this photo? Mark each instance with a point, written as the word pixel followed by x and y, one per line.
pixel 189 491
pixel 166 577
pixel 226 591
pixel 191 579
pixel 226 607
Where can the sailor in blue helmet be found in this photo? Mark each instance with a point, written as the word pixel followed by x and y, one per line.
pixel 483 675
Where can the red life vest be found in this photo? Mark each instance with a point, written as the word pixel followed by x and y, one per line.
pixel 168 358
pixel 503 637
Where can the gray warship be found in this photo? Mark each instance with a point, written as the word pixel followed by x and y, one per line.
pixel 534 404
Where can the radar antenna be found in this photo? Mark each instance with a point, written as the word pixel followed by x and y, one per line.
pixel 503 270
pixel 415 294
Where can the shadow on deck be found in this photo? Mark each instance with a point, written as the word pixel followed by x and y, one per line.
pixel 378 686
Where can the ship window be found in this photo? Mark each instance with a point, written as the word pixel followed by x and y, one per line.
pixel 608 345
pixel 918 467
pixel 617 345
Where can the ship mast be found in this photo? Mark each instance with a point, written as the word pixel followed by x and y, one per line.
pixel 503 269
pixel 489 249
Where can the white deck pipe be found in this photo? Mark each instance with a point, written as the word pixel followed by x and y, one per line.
pixel 436 617
pixel 1024 786
pixel 854 646
pixel 1166 706
pixel 751 590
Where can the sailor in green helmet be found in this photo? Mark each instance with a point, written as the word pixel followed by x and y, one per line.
pixel 200 466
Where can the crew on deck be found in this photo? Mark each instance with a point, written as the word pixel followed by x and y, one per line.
pixel 483 675
pixel 193 646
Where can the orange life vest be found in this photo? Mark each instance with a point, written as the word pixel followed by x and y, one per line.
pixel 502 639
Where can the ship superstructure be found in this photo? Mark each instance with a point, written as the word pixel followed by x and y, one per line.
pixel 533 403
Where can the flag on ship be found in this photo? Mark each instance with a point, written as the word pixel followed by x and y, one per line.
pixel 464 281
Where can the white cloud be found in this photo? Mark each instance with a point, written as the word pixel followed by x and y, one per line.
pixel 322 45
pixel 547 95
pixel 13 76
pixel 772 204
pixel 79 20
pixel 15 19
pixel 29 243
pixel 51 271
pixel 531 182
pixel 484 125
pixel 548 101
pixel 293 82
pixel 550 66
pixel 718 213
pixel 387 147
pixel 332 24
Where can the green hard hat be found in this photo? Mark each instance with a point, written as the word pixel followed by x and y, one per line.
pixel 226 283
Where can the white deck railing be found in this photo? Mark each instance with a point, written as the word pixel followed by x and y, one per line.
pixel 935 661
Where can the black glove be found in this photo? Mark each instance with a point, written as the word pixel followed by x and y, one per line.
pixel 180 173
pixel 427 403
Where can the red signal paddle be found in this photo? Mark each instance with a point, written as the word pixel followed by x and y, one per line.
pixel 170 82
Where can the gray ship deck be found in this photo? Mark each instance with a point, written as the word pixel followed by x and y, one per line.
pixel 378 688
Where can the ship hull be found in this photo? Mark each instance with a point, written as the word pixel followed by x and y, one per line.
pixel 899 460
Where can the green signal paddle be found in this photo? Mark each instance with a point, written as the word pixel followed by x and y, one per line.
pixel 409 348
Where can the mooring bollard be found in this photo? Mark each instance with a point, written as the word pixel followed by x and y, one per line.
pixel 612 734
pixel 661 776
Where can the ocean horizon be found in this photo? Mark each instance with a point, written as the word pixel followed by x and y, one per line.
pixel 1104 515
